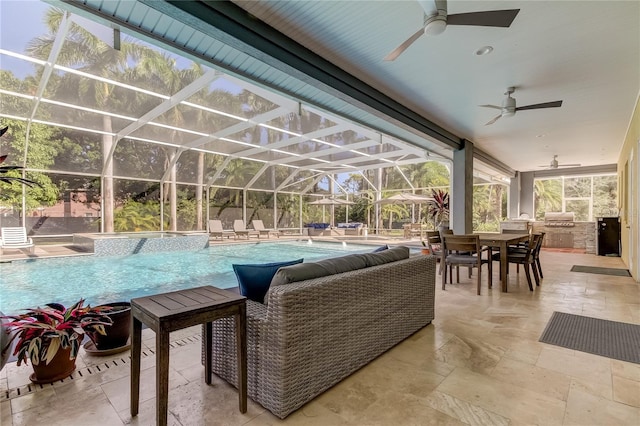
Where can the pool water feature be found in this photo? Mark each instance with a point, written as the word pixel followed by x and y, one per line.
pixel 105 279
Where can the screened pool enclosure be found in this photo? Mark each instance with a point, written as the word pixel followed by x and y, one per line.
pixel 122 135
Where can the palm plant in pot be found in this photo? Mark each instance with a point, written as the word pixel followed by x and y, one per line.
pixel 50 337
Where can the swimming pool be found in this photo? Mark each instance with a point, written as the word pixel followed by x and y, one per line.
pixel 29 283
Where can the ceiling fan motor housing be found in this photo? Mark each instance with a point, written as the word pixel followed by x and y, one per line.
pixel 508 106
pixel 435 24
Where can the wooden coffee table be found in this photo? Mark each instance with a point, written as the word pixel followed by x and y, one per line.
pixel 168 312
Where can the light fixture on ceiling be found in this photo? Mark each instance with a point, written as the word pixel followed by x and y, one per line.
pixel 484 50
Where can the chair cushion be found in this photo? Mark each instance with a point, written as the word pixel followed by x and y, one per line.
pixel 254 279
pixel 461 259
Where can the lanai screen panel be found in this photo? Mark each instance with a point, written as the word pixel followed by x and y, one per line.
pixel 79 151
pixel 188 166
pixel 272 177
pixel 141 160
pixel 238 173
pixel 300 181
pixel 209 111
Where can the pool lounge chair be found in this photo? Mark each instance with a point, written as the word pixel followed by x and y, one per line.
pixel 15 239
pixel 241 229
pixel 259 226
pixel 216 230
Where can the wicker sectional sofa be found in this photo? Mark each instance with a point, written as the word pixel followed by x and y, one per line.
pixel 312 334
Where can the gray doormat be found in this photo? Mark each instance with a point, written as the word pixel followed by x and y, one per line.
pixel 603 271
pixel 612 339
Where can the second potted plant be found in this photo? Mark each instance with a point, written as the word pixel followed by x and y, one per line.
pixel 50 337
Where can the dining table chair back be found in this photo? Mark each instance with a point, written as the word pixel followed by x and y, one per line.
pixel 465 250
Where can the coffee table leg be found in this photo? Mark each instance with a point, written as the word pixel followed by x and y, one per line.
pixel 162 377
pixel 241 342
pixel 136 342
pixel 208 347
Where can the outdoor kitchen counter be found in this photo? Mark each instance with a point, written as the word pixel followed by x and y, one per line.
pixel 582 235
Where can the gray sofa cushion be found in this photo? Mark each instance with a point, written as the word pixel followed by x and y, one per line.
pixel 386 256
pixel 337 265
pixel 322 268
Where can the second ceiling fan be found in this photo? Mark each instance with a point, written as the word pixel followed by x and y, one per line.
pixel 436 21
pixel 509 108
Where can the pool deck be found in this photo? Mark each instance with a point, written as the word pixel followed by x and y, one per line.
pixel 62 250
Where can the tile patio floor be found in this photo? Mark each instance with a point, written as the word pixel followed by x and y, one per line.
pixel 479 363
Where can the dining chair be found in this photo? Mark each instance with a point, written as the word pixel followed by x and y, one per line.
pixel 465 250
pixel 525 256
pixel 434 244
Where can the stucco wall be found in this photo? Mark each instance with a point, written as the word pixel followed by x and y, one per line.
pixel 628 163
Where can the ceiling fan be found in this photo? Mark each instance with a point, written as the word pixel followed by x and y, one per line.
pixel 554 164
pixel 436 21
pixel 509 108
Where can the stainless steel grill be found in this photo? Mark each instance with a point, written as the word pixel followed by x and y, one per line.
pixel 559 219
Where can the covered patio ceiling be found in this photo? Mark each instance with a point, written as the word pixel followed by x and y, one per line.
pixel 206 113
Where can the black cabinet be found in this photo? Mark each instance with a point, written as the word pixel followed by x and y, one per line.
pixel 608 236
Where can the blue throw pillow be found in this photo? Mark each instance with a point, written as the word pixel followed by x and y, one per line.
pixel 254 280
pixel 381 248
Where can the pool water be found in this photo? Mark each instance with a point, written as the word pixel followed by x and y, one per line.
pixel 31 283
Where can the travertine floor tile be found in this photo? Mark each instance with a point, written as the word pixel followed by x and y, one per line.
pixel 119 391
pixel 5 414
pixel 578 364
pixel 537 379
pixel 503 398
pixel 626 391
pixel 85 408
pixel 586 409
pixel 464 411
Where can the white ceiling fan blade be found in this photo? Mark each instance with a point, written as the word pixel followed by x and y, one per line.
pixel 490 106
pixel 494 120
pixel 569 165
pixel 398 50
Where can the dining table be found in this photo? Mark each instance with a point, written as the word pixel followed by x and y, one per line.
pixel 502 241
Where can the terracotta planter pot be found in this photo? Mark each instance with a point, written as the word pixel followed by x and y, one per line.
pixel 59 367
pixel 117 333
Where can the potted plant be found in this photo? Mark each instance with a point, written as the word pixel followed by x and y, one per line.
pixel 50 337
pixel 116 337
pixel 438 208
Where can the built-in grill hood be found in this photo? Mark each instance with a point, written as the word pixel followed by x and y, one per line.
pixel 559 219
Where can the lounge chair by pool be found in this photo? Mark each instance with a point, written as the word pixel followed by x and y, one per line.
pixel 241 229
pixel 259 226
pixel 216 230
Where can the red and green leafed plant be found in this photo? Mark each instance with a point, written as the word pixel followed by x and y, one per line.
pixel 439 206
pixel 40 332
